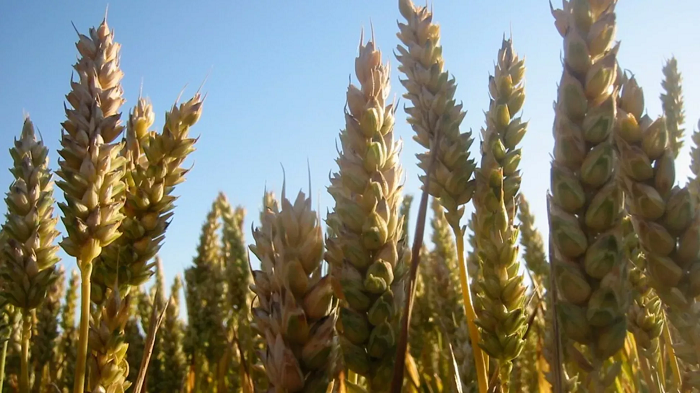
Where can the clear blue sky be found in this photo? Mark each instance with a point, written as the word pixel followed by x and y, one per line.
pixel 278 72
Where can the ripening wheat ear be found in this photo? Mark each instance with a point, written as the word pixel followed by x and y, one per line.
pixel 672 103
pixel 586 201
pixel 29 254
pixel 91 168
pixel 665 219
pixel 295 312
pixel 368 255
pixel 435 114
pixel 155 167
pixel 500 296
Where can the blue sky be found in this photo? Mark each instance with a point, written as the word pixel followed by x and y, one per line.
pixel 277 73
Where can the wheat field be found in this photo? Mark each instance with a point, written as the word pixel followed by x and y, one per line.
pixel 432 269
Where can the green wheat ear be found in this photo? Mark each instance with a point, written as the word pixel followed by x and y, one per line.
pixel 27 240
pixel 586 202
pixel 500 299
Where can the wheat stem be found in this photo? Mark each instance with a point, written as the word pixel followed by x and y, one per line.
pixel 85 273
pixel 479 358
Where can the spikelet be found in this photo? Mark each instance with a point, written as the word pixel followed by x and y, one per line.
pixel 672 103
pixel 295 311
pixel 586 202
pixel 500 291
pixel 368 255
pixel 155 168
pixel 664 217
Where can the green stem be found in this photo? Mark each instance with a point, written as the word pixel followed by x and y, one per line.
pixel 3 354
pixel 26 336
pixel 85 273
